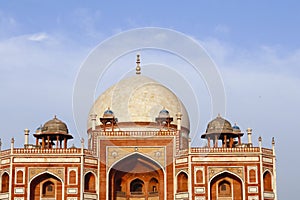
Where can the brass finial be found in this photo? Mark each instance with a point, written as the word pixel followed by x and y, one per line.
pixel 138 68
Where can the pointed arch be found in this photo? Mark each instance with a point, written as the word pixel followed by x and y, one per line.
pixel 44 184
pixel 133 154
pixel 220 183
pixel 125 172
pixel 182 182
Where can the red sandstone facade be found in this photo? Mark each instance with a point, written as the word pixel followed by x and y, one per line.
pixel 139 160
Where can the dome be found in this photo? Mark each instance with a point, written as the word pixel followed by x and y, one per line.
pixel 164 113
pixel 138 99
pixel 236 128
pixel 108 114
pixel 219 125
pixel 55 126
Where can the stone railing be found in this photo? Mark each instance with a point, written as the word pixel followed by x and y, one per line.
pixel 225 150
pixel 137 133
pixel 50 151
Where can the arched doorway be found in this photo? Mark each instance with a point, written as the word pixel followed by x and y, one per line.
pixel 226 186
pixel 136 176
pixel 46 187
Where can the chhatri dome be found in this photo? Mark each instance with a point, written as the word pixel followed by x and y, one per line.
pixel 139 99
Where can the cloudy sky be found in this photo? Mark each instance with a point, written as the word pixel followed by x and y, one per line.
pixel 255 46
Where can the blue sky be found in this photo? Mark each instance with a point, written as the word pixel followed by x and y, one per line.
pixel 255 45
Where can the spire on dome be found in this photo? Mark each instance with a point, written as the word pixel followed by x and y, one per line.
pixel 138 68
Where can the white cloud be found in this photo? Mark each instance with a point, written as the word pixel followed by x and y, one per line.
pixel 38 37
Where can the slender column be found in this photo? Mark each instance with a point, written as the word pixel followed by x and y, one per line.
pixel 249 132
pixel 26 133
pixel 12 142
pixel 208 141
pixel 43 142
pixel 37 142
pixel 239 138
pixel 230 142
pixel 48 142
pixel 57 141
pixel 93 118
pixel 216 141
pixel 225 140
pixel 65 143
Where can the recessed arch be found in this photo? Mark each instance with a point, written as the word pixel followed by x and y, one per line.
pixel 136 153
pixel 153 185
pixel 182 181
pixel 5 182
pixel 229 180
pixel 46 185
pixel 137 186
pixel 132 175
pixel 267 179
pixel 90 182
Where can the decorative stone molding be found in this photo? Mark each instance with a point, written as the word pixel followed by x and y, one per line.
pixel 114 154
pixel 239 171
pixel 58 171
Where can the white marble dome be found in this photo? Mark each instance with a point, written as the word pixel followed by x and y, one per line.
pixel 138 99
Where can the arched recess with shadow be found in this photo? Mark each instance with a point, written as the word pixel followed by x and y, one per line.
pixel 5 182
pixel 182 182
pixel 89 182
pixel 267 177
pixel 136 176
pixel 46 186
pixel 226 186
